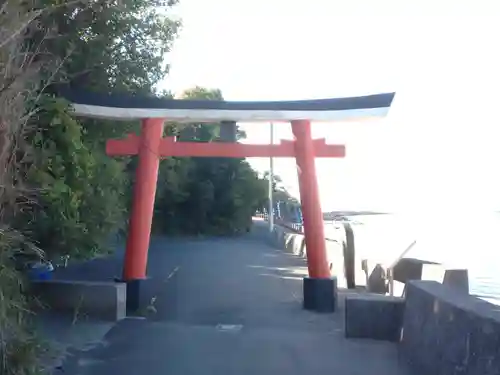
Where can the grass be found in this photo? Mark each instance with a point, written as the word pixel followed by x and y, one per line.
pixel 20 348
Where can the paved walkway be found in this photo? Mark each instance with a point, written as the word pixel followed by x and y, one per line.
pixel 231 306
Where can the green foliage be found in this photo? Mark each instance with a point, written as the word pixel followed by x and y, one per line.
pixel 58 187
pixel 84 195
pixel 106 46
pixel 280 192
pixel 113 44
pixel 80 189
pixel 206 195
pixel 20 349
pixel 202 93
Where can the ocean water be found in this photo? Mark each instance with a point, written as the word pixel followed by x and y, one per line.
pixel 457 241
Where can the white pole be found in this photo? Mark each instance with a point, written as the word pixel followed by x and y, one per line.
pixel 271 178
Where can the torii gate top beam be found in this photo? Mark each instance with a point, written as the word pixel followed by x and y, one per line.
pixel 123 107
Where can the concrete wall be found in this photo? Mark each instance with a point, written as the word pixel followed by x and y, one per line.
pixel 294 243
pixel 102 300
pixel 448 332
pixel 374 316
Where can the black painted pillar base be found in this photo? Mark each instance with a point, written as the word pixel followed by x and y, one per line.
pixel 134 289
pixel 135 294
pixel 320 295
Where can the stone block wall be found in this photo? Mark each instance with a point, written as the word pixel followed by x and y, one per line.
pixel 448 332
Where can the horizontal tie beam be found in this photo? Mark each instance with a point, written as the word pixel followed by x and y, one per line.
pixel 169 147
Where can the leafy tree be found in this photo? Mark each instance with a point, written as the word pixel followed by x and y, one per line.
pixel 76 207
pixel 81 194
pixel 103 45
pixel 219 194
pixel 280 194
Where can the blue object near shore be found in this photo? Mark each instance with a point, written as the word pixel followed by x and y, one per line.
pixel 41 272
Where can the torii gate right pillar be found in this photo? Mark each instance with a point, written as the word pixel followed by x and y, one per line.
pixel 319 288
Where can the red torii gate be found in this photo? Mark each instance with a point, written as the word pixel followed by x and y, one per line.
pixel 151 146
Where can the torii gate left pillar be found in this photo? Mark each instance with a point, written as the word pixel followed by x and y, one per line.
pixel 319 287
pixel 141 217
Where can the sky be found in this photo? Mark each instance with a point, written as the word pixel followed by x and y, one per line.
pixel 437 149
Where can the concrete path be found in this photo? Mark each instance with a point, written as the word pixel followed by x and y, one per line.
pixel 231 306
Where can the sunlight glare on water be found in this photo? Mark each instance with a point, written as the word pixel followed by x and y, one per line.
pixel 467 240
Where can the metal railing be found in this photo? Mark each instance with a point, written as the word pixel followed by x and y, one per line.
pixel 295 227
pixel 390 269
